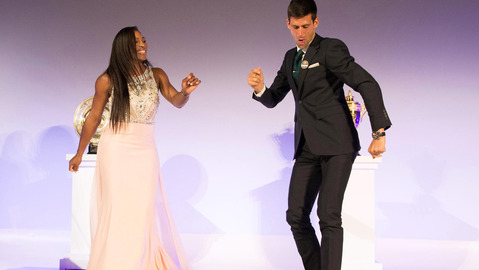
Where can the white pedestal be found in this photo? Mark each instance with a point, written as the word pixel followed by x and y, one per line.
pixel 358 221
pixel 359 218
pixel 80 232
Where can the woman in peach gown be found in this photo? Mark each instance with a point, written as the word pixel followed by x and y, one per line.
pixel 132 228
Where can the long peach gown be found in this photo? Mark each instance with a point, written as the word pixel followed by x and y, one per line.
pixel 131 225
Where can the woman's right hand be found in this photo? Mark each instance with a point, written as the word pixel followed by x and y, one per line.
pixel 75 163
pixel 100 99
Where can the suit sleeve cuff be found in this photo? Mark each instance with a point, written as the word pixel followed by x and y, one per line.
pixel 260 93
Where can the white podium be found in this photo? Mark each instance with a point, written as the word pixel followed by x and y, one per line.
pixel 358 221
pixel 80 231
pixel 359 216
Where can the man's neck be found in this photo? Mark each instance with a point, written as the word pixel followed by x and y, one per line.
pixel 305 49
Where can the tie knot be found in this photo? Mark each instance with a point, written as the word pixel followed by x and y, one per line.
pixel 299 57
pixel 300 54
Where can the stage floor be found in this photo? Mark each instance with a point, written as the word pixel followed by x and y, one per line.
pixel 42 250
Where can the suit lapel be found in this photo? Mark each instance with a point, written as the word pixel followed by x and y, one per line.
pixel 289 68
pixel 310 53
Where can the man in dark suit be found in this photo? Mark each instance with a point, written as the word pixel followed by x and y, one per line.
pixel 326 140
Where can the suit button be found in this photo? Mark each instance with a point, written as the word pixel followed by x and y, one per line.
pixel 300 102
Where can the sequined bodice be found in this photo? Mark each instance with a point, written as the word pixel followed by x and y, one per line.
pixel 144 99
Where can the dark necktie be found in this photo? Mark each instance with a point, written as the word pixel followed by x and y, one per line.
pixel 297 64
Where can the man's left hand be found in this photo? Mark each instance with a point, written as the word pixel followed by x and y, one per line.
pixel 377 147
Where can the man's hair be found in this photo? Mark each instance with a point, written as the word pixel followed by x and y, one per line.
pixel 301 8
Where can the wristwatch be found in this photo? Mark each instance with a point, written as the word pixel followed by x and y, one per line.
pixel 378 134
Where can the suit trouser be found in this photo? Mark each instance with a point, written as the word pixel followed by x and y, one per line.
pixel 328 177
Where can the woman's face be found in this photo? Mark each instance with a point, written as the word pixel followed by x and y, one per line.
pixel 141 46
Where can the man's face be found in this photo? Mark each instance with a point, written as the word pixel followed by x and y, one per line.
pixel 302 29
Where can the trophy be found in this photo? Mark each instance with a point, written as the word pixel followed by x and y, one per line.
pixel 357 110
pixel 81 113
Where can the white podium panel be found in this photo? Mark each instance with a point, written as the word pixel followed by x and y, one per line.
pixel 80 231
pixel 358 223
pixel 359 218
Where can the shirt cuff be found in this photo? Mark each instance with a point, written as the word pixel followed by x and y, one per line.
pixel 260 93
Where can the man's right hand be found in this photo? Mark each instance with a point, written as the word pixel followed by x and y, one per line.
pixel 256 80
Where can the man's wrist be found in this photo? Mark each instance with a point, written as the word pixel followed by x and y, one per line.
pixel 378 134
pixel 260 93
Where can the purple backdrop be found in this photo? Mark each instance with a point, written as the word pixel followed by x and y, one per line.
pixel 238 153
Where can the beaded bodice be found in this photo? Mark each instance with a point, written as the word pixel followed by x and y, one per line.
pixel 144 99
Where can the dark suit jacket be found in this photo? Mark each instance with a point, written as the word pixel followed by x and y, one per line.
pixel 322 114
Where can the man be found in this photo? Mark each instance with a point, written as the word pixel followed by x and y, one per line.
pixel 326 140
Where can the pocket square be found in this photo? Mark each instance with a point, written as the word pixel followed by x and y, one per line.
pixel 314 65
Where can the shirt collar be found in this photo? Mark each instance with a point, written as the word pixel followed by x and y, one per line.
pixel 304 50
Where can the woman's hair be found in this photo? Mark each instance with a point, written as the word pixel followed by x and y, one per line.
pixel 123 65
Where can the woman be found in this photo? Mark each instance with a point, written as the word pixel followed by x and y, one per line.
pixel 130 220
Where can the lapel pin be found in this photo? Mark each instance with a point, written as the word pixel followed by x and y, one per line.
pixel 304 64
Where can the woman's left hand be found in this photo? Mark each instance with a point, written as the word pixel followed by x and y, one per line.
pixel 189 84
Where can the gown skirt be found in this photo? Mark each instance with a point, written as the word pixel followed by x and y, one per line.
pixel 131 224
